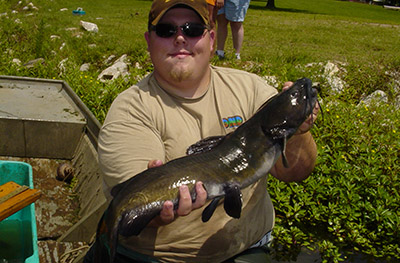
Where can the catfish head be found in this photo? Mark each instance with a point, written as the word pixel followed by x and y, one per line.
pixel 288 110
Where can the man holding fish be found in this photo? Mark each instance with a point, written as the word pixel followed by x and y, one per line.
pixel 185 100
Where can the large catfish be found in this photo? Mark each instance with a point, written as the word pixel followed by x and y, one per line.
pixel 225 165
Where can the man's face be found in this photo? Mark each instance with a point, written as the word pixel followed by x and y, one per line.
pixel 179 57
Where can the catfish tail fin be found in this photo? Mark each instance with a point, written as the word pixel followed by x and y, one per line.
pixel 113 242
pixel 101 254
pixel 105 246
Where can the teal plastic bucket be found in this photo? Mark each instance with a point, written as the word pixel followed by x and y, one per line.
pixel 18 234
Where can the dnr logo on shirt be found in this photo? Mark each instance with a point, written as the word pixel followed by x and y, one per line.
pixel 232 122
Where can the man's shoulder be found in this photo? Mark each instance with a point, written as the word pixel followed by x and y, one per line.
pixel 232 75
pixel 232 71
pixel 239 78
pixel 136 91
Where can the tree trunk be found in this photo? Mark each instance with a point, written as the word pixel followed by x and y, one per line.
pixel 270 4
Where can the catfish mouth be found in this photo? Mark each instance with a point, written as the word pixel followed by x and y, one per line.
pixel 307 99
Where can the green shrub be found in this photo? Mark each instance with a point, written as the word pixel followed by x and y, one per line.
pixel 351 201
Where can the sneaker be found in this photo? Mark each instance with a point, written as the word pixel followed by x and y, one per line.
pixel 220 54
pixel 237 56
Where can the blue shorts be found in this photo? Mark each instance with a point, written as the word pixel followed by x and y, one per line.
pixel 235 10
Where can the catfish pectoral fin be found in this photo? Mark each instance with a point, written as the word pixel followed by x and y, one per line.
pixel 209 210
pixel 133 223
pixel 233 201
pixel 284 159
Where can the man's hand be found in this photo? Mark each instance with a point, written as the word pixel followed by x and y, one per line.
pixel 167 214
pixel 301 151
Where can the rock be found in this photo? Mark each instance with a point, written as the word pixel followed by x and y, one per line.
pixel 123 59
pixel 71 29
pixel 377 97
pixel 397 102
pixel 109 59
pixel 85 67
pixel 394 77
pixel 118 69
pixel 30 6
pixel 62 63
pixel 331 71
pixel 90 27
pixel 137 65
pixel 16 61
pixel 78 35
pixel 53 37
pixel 34 62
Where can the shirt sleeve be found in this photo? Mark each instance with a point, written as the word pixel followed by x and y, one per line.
pixel 128 140
pixel 263 92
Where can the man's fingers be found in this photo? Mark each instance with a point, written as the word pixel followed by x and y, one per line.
pixel 185 201
pixel 287 85
pixel 167 214
pixel 309 122
pixel 154 163
pixel 201 196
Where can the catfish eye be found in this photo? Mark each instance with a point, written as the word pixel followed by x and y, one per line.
pixel 295 94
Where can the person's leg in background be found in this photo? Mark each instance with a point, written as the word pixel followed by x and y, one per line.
pixel 237 37
pixel 222 33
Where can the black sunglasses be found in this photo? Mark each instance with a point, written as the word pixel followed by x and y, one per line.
pixel 188 29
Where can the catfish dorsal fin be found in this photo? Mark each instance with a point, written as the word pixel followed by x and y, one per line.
pixel 284 159
pixel 204 145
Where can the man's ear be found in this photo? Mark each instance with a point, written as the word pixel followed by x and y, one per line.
pixel 147 37
pixel 212 40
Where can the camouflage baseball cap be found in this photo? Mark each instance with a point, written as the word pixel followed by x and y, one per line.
pixel 160 7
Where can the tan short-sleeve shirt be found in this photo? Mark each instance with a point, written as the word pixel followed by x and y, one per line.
pixel 146 123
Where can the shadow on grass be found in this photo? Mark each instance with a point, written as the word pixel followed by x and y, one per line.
pixel 261 5
pixel 278 9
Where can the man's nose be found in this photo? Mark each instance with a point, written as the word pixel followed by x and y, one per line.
pixel 180 38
